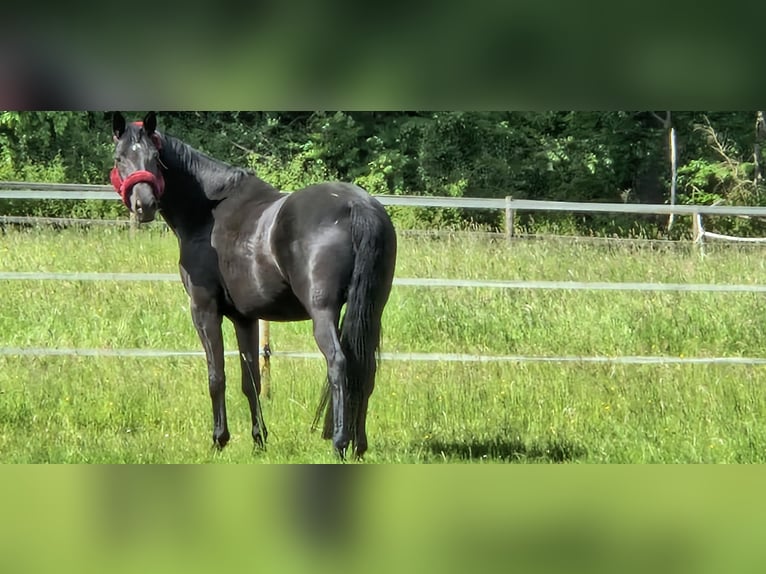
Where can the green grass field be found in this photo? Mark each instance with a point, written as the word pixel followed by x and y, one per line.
pixel 156 410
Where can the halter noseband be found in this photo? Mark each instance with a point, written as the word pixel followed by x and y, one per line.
pixel 125 186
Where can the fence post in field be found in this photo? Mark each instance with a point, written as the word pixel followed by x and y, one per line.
pixel 698 232
pixel 509 217
pixel 264 361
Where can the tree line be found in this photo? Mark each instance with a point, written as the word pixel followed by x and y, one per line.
pixel 608 156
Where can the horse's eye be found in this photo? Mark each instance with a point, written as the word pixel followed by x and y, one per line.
pixel 118 159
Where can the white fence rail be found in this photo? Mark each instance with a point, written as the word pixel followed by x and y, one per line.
pixel 421 282
pixel 700 235
pixel 410 357
pixel 25 190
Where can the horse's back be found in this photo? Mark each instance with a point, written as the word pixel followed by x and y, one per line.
pixel 329 205
pixel 328 198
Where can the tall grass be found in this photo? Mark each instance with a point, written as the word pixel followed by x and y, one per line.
pixel 87 409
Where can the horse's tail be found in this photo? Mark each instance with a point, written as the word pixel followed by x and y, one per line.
pixel 374 243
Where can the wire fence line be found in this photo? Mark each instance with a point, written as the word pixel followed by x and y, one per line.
pixel 438 357
pixel 60 221
pixel 419 357
pixel 75 222
pixel 420 282
pixel 408 357
pixel 28 190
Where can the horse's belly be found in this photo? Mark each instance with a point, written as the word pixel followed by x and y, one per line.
pixel 291 310
pixel 260 292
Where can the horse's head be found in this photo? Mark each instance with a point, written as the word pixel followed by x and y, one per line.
pixel 137 176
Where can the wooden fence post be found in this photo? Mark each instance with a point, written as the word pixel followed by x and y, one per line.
pixel 698 232
pixel 509 217
pixel 264 362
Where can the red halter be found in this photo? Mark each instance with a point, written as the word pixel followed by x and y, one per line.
pixel 125 186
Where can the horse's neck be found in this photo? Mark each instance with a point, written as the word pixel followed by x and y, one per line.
pixel 184 205
pixel 195 183
pixel 213 177
pixel 187 223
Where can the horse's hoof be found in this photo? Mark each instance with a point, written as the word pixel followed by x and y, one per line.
pixel 359 449
pixel 220 441
pixel 260 435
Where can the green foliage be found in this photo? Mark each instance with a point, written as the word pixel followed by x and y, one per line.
pixel 52 171
pixel 609 156
pixel 55 146
pixel 724 174
pixel 292 173
pixel 700 182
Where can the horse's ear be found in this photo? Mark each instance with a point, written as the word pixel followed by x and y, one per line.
pixel 150 123
pixel 118 125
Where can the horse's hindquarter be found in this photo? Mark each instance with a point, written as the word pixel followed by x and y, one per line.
pixel 280 260
pixel 254 283
pixel 312 239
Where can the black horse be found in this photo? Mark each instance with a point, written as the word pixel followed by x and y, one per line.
pixel 250 252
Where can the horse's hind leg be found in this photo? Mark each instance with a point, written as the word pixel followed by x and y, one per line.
pixel 360 438
pixel 326 335
pixel 360 431
pixel 247 340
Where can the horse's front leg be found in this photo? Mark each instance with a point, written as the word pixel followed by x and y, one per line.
pixel 207 321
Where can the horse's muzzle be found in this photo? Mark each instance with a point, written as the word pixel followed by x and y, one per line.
pixel 144 215
pixel 144 205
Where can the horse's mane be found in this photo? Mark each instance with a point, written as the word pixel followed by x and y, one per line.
pixel 217 179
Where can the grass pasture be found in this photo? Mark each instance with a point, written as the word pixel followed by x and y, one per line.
pixel 156 410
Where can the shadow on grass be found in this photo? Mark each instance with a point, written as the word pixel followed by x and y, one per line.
pixel 503 449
